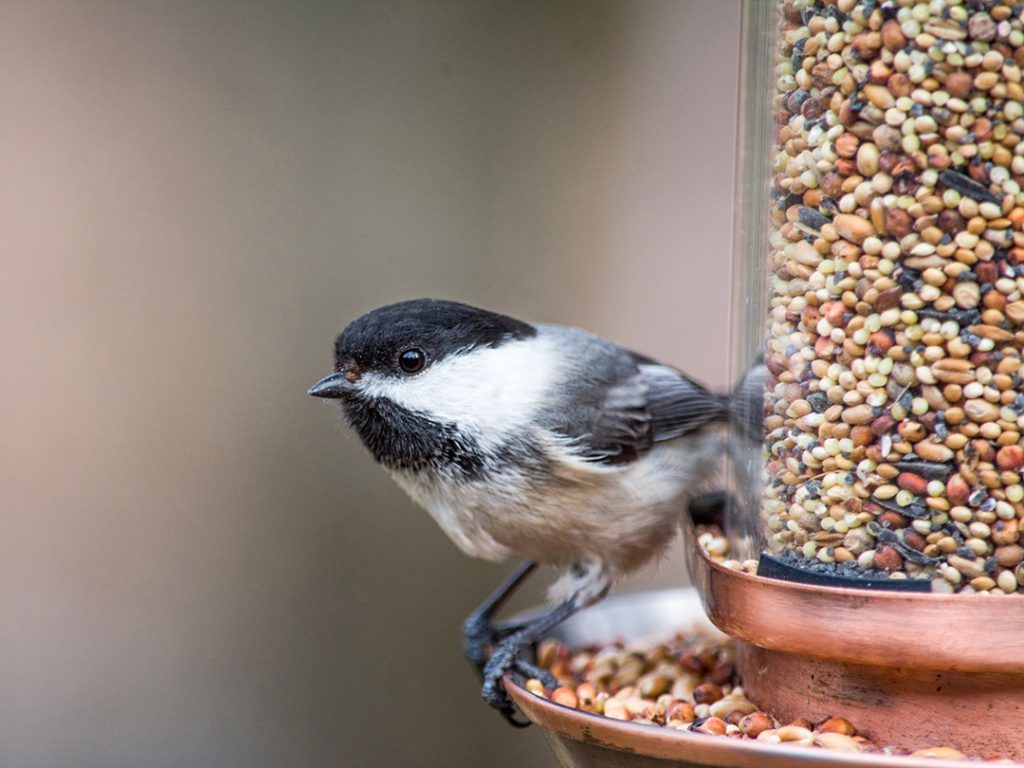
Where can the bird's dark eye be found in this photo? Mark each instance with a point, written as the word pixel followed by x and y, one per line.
pixel 412 360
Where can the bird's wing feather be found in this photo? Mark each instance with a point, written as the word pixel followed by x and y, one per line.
pixel 631 404
pixel 677 404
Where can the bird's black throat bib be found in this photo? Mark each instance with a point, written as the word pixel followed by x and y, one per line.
pixel 403 439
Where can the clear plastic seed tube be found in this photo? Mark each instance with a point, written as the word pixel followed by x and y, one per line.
pixel 881 278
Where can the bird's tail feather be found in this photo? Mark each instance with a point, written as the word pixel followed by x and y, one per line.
pixel 744 406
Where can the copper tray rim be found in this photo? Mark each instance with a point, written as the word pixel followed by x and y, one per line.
pixel 858 595
pixel 670 744
pixel 942 632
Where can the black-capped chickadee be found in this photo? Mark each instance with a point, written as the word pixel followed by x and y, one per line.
pixel 532 441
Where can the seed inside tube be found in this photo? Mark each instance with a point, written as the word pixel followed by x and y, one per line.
pixel 896 287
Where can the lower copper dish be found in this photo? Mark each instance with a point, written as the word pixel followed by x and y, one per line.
pixel 914 669
pixel 583 740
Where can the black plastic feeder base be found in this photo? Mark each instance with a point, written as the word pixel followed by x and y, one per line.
pixel 773 567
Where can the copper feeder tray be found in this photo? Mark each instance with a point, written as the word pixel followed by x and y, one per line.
pixel 583 740
pixel 915 669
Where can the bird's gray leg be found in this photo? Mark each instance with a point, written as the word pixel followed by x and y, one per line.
pixel 478 633
pixel 589 583
pixel 505 656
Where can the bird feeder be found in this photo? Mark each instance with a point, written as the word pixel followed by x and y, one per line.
pixel 871 562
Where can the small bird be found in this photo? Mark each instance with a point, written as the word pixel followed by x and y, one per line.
pixel 535 441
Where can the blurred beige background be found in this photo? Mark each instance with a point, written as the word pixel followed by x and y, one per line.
pixel 198 565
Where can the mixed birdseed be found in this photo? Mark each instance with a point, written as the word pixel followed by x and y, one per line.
pixel 686 683
pixel 895 407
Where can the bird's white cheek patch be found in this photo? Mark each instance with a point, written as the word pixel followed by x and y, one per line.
pixel 491 391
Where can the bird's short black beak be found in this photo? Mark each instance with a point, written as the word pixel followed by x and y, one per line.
pixel 334 386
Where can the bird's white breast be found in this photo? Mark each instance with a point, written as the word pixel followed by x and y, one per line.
pixel 617 514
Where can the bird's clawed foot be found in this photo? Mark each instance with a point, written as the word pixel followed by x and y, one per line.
pixel 504 643
pixel 509 640
pixel 503 661
pixel 480 638
pixel 528 670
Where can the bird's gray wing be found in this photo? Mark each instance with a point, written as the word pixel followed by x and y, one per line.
pixel 677 404
pixel 656 404
pixel 619 408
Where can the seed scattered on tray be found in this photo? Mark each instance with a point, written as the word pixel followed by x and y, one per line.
pixel 895 401
pixel 687 683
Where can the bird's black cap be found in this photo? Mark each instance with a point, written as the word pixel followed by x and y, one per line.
pixel 374 341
